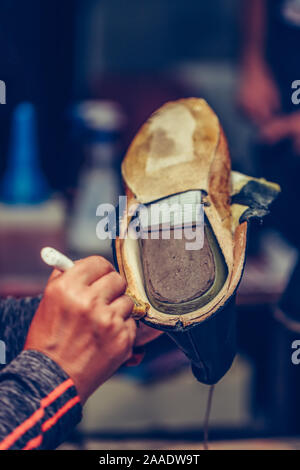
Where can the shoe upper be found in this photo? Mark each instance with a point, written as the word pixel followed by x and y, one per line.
pixel 181 148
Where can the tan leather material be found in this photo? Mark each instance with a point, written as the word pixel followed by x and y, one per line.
pixel 179 139
pixel 181 148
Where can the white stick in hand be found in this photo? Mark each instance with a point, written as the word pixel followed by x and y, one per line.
pixel 56 259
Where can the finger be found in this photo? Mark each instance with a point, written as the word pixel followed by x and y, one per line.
pixel 123 306
pixel 89 270
pixel 136 357
pixel 145 334
pixel 132 330
pixel 263 114
pixel 267 133
pixel 275 131
pixel 55 274
pixel 110 287
pixel 259 115
pixel 251 110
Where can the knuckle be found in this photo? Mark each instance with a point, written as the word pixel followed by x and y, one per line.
pixel 115 326
pixel 132 325
pixel 77 300
pixel 124 307
pixel 56 288
pixel 119 280
pixel 100 262
pixel 104 322
pixel 113 311
pixel 128 302
pixel 84 305
pixel 123 341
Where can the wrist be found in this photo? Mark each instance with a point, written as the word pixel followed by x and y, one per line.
pixel 66 370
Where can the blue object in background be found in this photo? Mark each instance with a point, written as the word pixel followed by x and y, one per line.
pixel 23 181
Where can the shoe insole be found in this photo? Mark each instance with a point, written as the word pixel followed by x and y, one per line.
pixel 178 280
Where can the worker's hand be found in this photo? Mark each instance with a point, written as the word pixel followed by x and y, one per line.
pixel 283 127
pixel 83 323
pixel 145 334
pixel 258 94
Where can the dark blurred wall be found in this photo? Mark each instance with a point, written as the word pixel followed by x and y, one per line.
pixel 51 51
pixel 37 64
pixel 153 34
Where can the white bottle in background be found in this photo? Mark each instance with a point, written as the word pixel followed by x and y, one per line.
pixel 102 123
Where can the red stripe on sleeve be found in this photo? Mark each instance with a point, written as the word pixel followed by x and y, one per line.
pixel 34 443
pixel 53 420
pixel 62 388
pixel 18 432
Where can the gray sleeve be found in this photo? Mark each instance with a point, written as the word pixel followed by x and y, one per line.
pixel 39 404
pixel 15 318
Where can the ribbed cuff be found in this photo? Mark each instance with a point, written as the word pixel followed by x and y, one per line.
pixel 43 385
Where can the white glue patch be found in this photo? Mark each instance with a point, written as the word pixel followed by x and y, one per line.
pixel 184 208
pixel 172 143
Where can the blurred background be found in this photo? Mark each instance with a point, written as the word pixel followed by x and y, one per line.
pixel 81 77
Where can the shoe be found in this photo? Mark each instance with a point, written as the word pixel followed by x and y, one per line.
pixel 180 159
